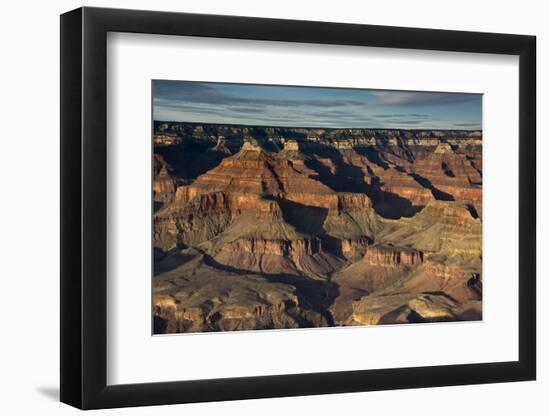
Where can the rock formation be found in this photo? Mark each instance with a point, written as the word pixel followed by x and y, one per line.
pixel 258 228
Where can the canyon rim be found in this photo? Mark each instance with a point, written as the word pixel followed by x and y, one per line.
pixel 278 207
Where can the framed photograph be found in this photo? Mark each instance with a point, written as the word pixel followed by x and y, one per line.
pixel 256 208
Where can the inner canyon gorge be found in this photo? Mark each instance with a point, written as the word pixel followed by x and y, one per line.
pixel 278 228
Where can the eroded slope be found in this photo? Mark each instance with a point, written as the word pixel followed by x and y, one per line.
pixel 258 228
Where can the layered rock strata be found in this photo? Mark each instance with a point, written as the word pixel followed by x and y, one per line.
pixel 259 228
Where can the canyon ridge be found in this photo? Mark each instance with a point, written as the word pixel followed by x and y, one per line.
pixel 276 228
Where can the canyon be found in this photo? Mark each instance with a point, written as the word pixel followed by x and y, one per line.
pixel 275 228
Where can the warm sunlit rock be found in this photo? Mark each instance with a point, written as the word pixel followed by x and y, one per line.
pixel 258 228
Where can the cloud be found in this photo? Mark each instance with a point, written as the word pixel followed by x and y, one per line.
pixel 248 110
pixel 397 115
pixel 404 121
pixel 182 93
pixel 310 107
pixel 405 98
pixel 467 124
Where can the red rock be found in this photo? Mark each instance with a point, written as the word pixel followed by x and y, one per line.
pixel 299 227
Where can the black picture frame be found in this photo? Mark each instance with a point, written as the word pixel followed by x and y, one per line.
pixel 84 207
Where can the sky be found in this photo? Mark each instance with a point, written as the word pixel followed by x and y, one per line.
pixel 266 105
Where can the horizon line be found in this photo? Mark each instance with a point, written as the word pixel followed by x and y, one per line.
pixel 320 127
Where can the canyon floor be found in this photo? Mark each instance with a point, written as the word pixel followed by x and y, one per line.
pixel 275 228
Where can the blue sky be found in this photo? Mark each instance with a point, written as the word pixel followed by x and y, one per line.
pixel 253 104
